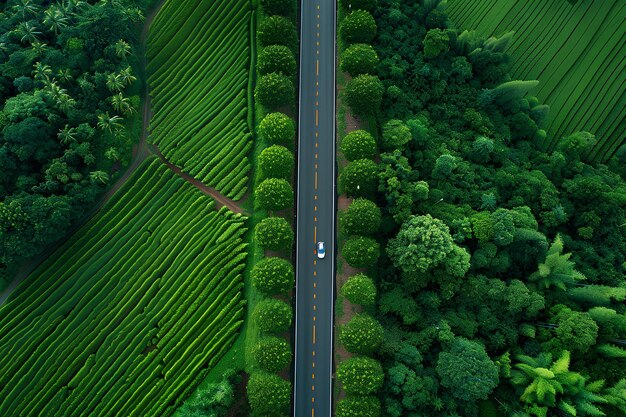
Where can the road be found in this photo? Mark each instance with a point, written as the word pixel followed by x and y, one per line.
pixel 315 211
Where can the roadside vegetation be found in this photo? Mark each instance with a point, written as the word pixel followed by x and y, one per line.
pixel 133 311
pixel 69 113
pixel 199 76
pixel 497 262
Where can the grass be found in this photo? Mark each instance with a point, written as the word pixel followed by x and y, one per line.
pixel 133 311
pixel 582 73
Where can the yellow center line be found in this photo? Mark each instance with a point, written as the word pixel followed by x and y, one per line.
pixel 317 134
pixel 318 34
pixel 317 43
pixel 313 364
pixel 315 156
pixel 315 285
pixel 313 334
pixel 316 175
pixel 315 198
pixel 313 353
pixel 314 296
pixel 312 412
pixel 314 308
pixel 317 103
pixel 318 7
pixel 317 83
pixel 316 144
pixel 318 25
pixel 313 398
pixel 313 318
pixel 312 387
pixel 317 93
pixel 314 273
pixel 317 67
pixel 314 219
pixel 314 261
pixel 316 166
pixel 315 234
pixel 316 117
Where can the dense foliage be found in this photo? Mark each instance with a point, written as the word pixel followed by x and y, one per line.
pixel 498 256
pixel 359 289
pixel 272 354
pixel 274 90
pixel 67 73
pixel 273 275
pixel 276 162
pixel 361 251
pixel 268 394
pixel 358 144
pixel 273 316
pixel 361 335
pixel 274 194
pixel 277 128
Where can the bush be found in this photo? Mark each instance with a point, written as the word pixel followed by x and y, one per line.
pixel 369 5
pixel 273 276
pixel 358 144
pixel 363 334
pixel 361 217
pixel 282 7
pixel 268 394
pixel 273 316
pixel 274 194
pixel 361 252
pixel 274 233
pixel 214 400
pixel 395 135
pixel 358 27
pixel 272 354
pixel 358 59
pixel 360 375
pixel 277 128
pixel 274 90
pixel 276 162
pixel 359 289
pixel 364 94
pixel 359 178
pixel 276 58
pixel 358 406
pixel 278 30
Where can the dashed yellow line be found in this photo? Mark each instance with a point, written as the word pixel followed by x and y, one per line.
pixel 317 67
pixel 314 333
pixel 316 117
pixel 315 234
pixel 316 180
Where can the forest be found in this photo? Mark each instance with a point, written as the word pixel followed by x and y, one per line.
pixel 69 115
pixel 501 268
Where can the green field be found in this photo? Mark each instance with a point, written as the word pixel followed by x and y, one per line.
pixel 130 314
pixel 199 56
pixel 576 51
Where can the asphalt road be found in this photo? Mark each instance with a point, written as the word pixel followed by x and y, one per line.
pixel 315 211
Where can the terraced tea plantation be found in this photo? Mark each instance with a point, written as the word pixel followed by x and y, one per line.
pixel 574 50
pixel 199 66
pixel 128 316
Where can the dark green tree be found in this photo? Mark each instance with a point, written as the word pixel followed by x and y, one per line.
pixel 364 94
pixel 273 316
pixel 436 42
pixel 274 233
pixel 361 217
pixel 358 27
pixel 358 406
pixel 358 144
pixel 359 178
pixel 274 194
pixel 361 251
pixel 278 59
pixel 363 334
pixel 276 162
pixel 268 394
pixel 281 7
pixel 360 375
pixel 273 276
pixel 278 30
pixel 369 5
pixel 277 128
pixel 557 270
pixel 467 370
pixel 358 59
pixel 274 90
pixel 360 289
pixel 273 354
pixel 396 135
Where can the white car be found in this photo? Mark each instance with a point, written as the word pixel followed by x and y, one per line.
pixel 321 251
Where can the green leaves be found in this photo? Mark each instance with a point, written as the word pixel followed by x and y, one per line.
pixel 272 354
pixel 358 27
pixel 268 394
pixel 276 58
pixel 358 144
pixel 359 178
pixel 273 316
pixel 361 217
pixel 274 90
pixel 364 94
pixel 274 194
pixel 277 128
pixel 358 59
pixel 273 276
pixel 361 251
pixel 360 289
pixel 362 334
pixel 557 270
pixel 360 375
pixel 276 162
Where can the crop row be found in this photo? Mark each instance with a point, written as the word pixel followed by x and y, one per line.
pixel 199 75
pixel 582 73
pixel 130 314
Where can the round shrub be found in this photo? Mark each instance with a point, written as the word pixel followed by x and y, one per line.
pixel 358 59
pixel 359 4
pixel 272 354
pixel 361 252
pixel 268 394
pixel 359 289
pixel 358 27
pixel 396 134
pixel 360 375
pixel 364 94
pixel 277 128
pixel 361 217
pixel 276 58
pixel 278 30
pixel 273 316
pixel 274 90
pixel 274 194
pixel 358 144
pixel 363 334
pixel 274 233
pixel 282 7
pixel 273 276
pixel 359 178
pixel 276 162
pixel 358 406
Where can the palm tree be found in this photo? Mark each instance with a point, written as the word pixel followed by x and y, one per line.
pixel 107 122
pixel 64 75
pixel 557 270
pixel 122 49
pixel 26 7
pixel 126 76
pixel 114 82
pixel 39 47
pixel 112 154
pixel 85 84
pixel 54 19
pixel 41 71
pixel 119 102
pixel 67 135
pixel 65 102
pixel 28 32
pixel 99 176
